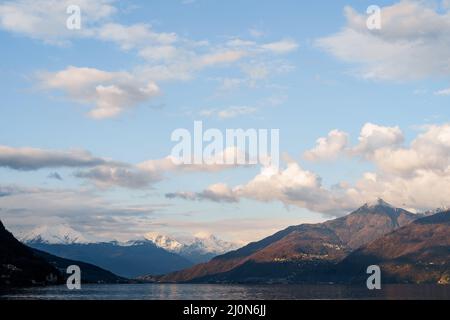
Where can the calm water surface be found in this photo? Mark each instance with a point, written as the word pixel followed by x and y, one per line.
pixel 228 292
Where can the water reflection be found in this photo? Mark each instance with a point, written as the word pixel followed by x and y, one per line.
pixel 228 292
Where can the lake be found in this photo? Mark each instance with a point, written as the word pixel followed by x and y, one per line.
pixel 227 292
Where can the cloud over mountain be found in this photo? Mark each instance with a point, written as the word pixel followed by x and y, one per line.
pixel 416 176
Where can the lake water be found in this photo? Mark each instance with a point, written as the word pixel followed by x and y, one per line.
pixel 228 292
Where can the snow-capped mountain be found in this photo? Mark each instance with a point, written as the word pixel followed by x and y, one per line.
pixel 208 243
pixel 125 258
pixel 164 242
pixel 199 248
pixel 378 203
pixel 53 234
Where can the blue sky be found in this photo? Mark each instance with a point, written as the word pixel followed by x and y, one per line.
pixel 304 68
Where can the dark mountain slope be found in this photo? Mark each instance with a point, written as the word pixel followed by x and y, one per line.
pixel 291 253
pixel 89 272
pixel 416 253
pixel 128 261
pixel 20 266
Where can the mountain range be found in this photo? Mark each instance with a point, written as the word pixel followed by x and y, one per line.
pixel 155 254
pixel 307 252
pixel 200 248
pixel 409 248
pixel 21 265
pixel 416 253
pixel 128 260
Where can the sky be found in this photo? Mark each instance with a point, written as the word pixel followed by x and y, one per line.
pixel 87 113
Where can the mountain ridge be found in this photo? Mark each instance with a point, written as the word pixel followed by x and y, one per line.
pixel 306 246
pixel 416 253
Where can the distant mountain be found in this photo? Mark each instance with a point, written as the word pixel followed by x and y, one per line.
pixel 416 253
pixel 54 234
pixel 130 259
pixel 20 266
pixel 89 272
pixel 200 248
pixel 165 242
pixel 296 253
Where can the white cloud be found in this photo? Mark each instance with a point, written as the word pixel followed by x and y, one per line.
pixel 373 137
pixel 106 173
pixel 415 176
pixel 144 174
pixel 213 164
pixel 110 93
pixel 281 47
pixel 429 151
pixel 329 147
pixel 166 55
pixel 46 19
pixel 137 35
pixel 413 43
pixel 292 186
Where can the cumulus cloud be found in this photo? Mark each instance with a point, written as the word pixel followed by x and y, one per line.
pixel 292 186
pixel 329 147
pixel 373 137
pixel 413 43
pixel 212 163
pixel 428 152
pixel 110 93
pixel 166 55
pixel 413 176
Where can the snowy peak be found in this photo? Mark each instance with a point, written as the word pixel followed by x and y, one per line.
pixel 164 242
pixel 200 243
pixel 58 234
pixel 208 243
pixel 378 203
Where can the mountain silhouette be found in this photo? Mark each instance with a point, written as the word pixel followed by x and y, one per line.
pixel 416 253
pixel 21 265
pixel 299 252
